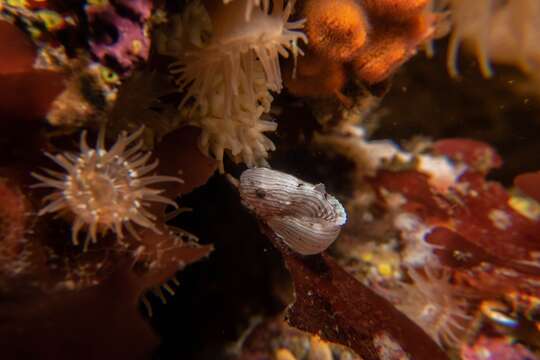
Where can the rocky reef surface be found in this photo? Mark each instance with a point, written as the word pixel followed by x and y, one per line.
pixel 401 219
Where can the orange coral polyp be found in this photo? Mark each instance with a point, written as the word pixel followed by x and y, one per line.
pixel 336 29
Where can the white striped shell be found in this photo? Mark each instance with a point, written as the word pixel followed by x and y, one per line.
pixel 303 215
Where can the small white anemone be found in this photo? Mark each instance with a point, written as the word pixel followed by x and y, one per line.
pixel 250 94
pixel 515 35
pixel 433 303
pixel 246 143
pixel 242 135
pixel 506 32
pixel 105 189
pixel 471 20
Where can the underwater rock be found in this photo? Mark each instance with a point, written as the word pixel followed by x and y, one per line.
pixel 16 50
pixel 433 224
pixel 26 93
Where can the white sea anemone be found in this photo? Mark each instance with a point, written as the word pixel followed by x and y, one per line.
pixel 232 50
pixel 227 79
pixel 515 37
pixel 433 303
pixel 471 21
pixel 245 142
pixel 105 189
pixel 506 32
pixel 242 134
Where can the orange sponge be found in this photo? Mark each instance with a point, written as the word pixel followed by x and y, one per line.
pixel 389 48
pixel 316 77
pixel 336 29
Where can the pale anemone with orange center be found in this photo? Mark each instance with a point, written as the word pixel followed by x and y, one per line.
pixel 105 189
pixel 433 303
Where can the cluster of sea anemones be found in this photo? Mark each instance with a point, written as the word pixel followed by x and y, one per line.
pixel 227 75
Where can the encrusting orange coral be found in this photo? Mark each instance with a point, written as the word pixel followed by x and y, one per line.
pixel 381 58
pixel 336 32
pixel 388 49
pixel 316 77
pixel 335 29
pixel 374 37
